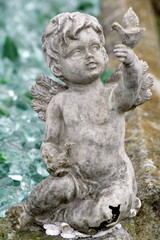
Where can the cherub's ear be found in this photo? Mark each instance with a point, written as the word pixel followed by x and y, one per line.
pixel 56 70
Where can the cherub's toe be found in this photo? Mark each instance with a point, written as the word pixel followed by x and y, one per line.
pixel 13 215
pixel 18 217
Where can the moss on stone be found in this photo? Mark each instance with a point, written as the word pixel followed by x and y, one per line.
pixel 145 226
pixel 7 233
pixel 142 146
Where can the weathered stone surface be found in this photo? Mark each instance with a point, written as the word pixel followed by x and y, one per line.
pixel 142 145
pixel 7 233
pixel 143 124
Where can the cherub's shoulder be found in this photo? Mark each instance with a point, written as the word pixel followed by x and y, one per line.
pixel 58 99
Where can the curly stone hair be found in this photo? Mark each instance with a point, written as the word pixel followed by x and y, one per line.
pixel 59 30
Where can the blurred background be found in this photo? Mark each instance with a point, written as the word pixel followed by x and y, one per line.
pixel 21 132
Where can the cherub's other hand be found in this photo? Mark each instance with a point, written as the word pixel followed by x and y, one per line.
pixel 58 170
pixel 124 54
pixel 59 166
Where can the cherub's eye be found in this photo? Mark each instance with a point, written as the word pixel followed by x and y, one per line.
pixel 76 53
pixel 95 47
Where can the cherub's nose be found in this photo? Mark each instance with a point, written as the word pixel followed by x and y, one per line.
pixel 89 54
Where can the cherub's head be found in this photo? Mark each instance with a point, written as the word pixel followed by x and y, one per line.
pixel 73 46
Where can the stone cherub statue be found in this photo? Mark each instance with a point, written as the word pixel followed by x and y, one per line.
pixel 92 184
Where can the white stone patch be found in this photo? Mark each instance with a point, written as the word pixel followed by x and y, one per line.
pixel 11 235
pixel 155 125
pixel 65 231
pixel 149 164
pixel 133 213
pixel 52 229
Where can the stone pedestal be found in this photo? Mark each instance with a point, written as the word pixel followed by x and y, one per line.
pixel 143 123
pixel 118 233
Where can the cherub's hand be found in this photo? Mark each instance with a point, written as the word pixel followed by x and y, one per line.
pixel 124 54
pixel 59 167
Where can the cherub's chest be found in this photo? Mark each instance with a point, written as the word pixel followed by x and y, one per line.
pixel 90 108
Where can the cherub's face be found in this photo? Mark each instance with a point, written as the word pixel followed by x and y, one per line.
pixel 84 59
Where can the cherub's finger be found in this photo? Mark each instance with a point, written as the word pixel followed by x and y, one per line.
pixel 120 50
pixel 120 46
pixel 117 48
pixel 121 54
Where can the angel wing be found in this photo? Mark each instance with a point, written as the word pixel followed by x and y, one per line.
pixel 130 19
pixel 42 92
pixel 147 83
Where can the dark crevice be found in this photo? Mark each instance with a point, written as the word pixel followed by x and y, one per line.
pixel 115 212
pixel 115 215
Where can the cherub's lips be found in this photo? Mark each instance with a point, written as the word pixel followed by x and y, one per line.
pixel 91 64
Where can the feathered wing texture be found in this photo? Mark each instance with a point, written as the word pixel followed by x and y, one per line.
pixel 42 92
pixel 130 19
pixel 147 83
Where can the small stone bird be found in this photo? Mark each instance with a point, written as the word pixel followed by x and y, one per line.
pixel 130 34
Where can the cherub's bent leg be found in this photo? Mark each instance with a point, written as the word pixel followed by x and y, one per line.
pixel 112 204
pixel 46 196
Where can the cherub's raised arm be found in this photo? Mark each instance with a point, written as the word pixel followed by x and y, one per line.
pixel 52 155
pixel 130 83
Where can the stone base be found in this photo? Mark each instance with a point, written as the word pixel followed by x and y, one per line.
pixel 6 233
pixel 66 232
pixel 117 233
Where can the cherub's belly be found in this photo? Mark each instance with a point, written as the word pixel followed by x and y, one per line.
pixel 102 165
pixel 98 150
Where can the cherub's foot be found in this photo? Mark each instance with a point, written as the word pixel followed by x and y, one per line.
pixel 18 217
pixel 137 205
